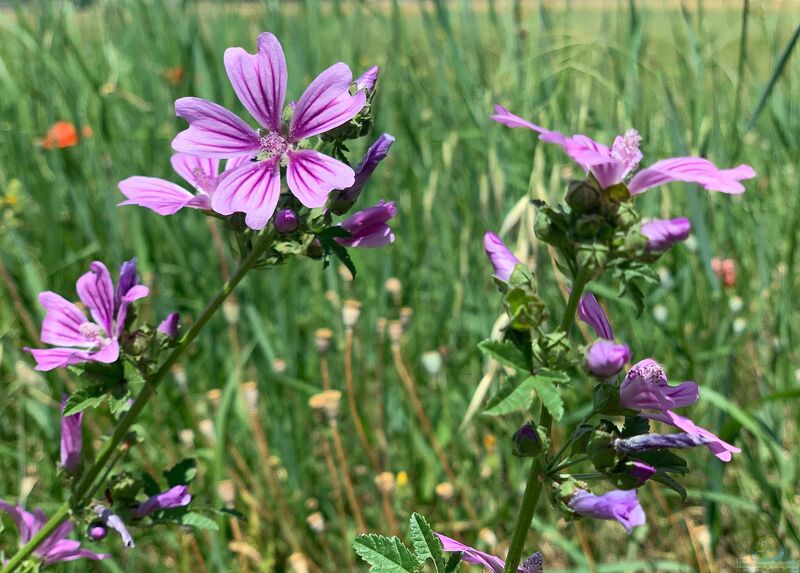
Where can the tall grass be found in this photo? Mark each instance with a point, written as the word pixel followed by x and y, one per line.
pixel 717 82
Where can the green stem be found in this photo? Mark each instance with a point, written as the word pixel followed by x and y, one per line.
pixel 538 471
pixel 567 463
pixel 121 430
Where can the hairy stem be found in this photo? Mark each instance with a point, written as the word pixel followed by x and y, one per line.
pixel 89 478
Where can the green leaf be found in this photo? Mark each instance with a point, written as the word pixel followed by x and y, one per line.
pixel 671 483
pixel 505 353
pixel 385 554
pixel 331 247
pixel 635 426
pixel 453 563
pixel 522 396
pixel 90 397
pixel 199 521
pixel 549 395
pixel 181 473
pixel 426 544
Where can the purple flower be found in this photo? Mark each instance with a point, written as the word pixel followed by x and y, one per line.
pixel 259 81
pixel 166 198
pixel 720 448
pixel 663 233
pixel 169 326
pixel 286 221
pixel 645 387
pixel 71 440
pixel 489 562
pixel 612 166
pixel 368 79
pixel 502 259
pixel 115 522
pixel 605 358
pixel 55 548
pixel 177 496
pixel 376 153
pixel 645 442
pixel 590 312
pixel 368 227
pixel 622 505
pixel 641 471
pixel 78 339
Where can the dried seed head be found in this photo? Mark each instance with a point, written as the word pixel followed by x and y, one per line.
pixel 316 522
pixel 385 482
pixel 487 536
pixel 186 437
pixel 230 310
pixel 323 337
pixel 405 315
pixel 345 273
pixel 333 298
pixel 395 288
pixel 331 404
pixel 250 394
pixel 227 493
pixel 180 375
pixel 317 402
pixel 445 491
pixel 350 313
pixel 432 362
pixel 206 428
pixel 298 563
pixel 214 397
pixel 395 331
pixel 279 366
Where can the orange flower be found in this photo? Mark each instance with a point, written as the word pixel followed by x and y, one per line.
pixel 62 134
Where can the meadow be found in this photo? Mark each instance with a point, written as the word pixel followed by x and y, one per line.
pixel 718 80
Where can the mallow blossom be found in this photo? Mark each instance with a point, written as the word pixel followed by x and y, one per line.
pixel 491 563
pixel 177 496
pixel 56 547
pixel 169 326
pixel 605 357
pixel 663 233
pixel 71 440
pixel 376 153
pixel 620 505
pixel 502 259
pixel 369 228
pixel 368 79
pixel 167 198
pixel 618 164
pixel 78 339
pixel 259 81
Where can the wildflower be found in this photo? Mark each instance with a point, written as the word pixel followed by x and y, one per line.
pixel 640 471
pixel 76 338
pixel 663 233
pixel 177 496
pixel 169 326
pixel 605 358
pixel 62 134
pixel 532 564
pixel 165 197
pixel 259 81
pixel 720 448
pixel 621 505
pixel 612 166
pixel 112 520
pixel 376 153
pixel 56 547
pixel 71 440
pixel 368 79
pixel 368 228
pixel 502 259
pixel 590 312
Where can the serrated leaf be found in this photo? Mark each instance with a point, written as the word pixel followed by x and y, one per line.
pixel 426 544
pixel 518 398
pixel 522 396
pixel 549 395
pixel 90 397
pixel 505 353
pixel 199 521
pixel 331 247
pixel 118 405
pixel 181 473
pixel 385 554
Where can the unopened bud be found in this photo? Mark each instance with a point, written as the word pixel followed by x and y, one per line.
pixel 445 491
pixel 322 338
pixel 489 442
pixel 286 221
pixel 97 532
pixel 605 358
pixel 316 522
pixel 350 313
pixel 227 493
pixel 527 442
pixel 583 197
pixel 385 482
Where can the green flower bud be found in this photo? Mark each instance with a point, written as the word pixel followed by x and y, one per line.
pixel 584 197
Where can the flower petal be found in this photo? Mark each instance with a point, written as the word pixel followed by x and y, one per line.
pixel 96 291
pixel 213 130
pixel 259 80
pixel 720 448
pixel 691 170
pixel 61 325
pixel 252 189
pixel 590 312
pixel 472 555
pixel 326 104
pixel 199 172
pixel 22 519
pixel 159 195
pixel 311 176
pixel 503 260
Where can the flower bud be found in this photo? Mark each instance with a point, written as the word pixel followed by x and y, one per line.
pixel 286 221
pixel 502 259
pixel 298 563
pixel 169 326
pixel 593 257
pixel 663 233
pixel 97 532
pixel 186 436
pixel 605 358
pixel 368 79
pixel 640 471
pixel 583 197
pixel 206 428
pixel 214 397
pixel 527 443
pixel 376 153
pixel 279 366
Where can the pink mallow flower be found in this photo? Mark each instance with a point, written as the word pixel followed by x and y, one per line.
pixel 614 165
pixel 165 197
pixel 177 496
pixel 76 337
pixel 259 81
pixel 491 563
pixel 56 547
pixel 369 228
pixel 663 233
pixel 502 259
pixel 618 504
pixel 71 440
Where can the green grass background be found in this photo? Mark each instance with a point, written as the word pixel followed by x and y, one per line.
pixel 720 82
